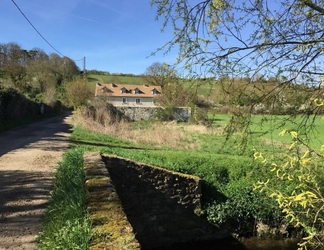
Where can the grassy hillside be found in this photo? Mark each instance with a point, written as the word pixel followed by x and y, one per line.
pixel 227 91
pixel 205 88
pixel 118 79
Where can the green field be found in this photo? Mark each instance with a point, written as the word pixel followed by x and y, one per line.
pixel 268 128
pixel 228 172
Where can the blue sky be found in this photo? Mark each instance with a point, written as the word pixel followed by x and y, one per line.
pixel 114 36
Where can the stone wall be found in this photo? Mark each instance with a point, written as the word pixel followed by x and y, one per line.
pixel 14 106
pixel 182 114
pixel 176 187
pixel 162 206
pixel 147 113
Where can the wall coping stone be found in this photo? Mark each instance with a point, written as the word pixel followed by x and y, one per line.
pixel 111 229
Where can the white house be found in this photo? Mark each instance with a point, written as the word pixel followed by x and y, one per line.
pixel 128 95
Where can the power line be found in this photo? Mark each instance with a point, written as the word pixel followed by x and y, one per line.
pixel 39 32
pixel 36 29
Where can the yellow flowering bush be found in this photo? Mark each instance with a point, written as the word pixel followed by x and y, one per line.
pixel 303 206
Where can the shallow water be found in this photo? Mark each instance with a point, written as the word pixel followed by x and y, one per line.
pixel 233 244
pixel 261 244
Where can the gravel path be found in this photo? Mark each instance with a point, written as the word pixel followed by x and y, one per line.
pixel 28 158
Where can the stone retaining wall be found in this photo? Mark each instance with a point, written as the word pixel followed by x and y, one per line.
pixel 14 106
pixel 147 113
pixel 178 188
pixel 162 206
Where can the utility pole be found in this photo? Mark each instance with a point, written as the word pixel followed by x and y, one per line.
pixel 84 67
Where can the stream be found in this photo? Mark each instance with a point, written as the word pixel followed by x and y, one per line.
pixel 252 243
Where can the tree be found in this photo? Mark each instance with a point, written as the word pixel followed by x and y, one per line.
pixel 237 38
pixel 160 74
pixel 282 39
pixel 78 93
pixel 260 38
pixel 68 69
pixel 39 71
pixel 64 68
pixel 14 60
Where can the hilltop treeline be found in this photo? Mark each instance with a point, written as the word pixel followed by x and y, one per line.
pixel 30 79
pixel 33 72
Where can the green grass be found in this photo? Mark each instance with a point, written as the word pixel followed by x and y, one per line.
pixel 268 128
pixel 309 128
pixel 93 141
pixel 227 172
pixel 66 223
pixel 219 171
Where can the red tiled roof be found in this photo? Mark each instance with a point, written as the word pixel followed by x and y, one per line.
pixel 125 90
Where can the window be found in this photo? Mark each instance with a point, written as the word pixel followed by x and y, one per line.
pixel 138 100
pixel 124 100
pixel 155 92
pixel 136 91
pixel 124 91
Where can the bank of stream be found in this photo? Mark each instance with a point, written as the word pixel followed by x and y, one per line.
pixel 161 223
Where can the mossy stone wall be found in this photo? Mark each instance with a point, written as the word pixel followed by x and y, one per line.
pixel 162 206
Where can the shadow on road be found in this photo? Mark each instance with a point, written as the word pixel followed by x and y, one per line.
pixel 26 186
pixel 27 156
pixel 50 129
pixel 22 201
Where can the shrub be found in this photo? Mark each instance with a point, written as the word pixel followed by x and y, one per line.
pixel 78 92
pixel 166 113
pixel 241 208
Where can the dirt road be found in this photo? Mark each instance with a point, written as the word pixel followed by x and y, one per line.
pixel 28 157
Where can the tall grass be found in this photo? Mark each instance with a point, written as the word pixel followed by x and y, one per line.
pixel 66 223
pixel 167 134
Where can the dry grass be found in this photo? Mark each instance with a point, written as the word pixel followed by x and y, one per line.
pixel 202 129
pixel 100 121
pixel 159 134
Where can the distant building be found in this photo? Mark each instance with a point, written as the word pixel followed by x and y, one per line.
pixel 128 95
